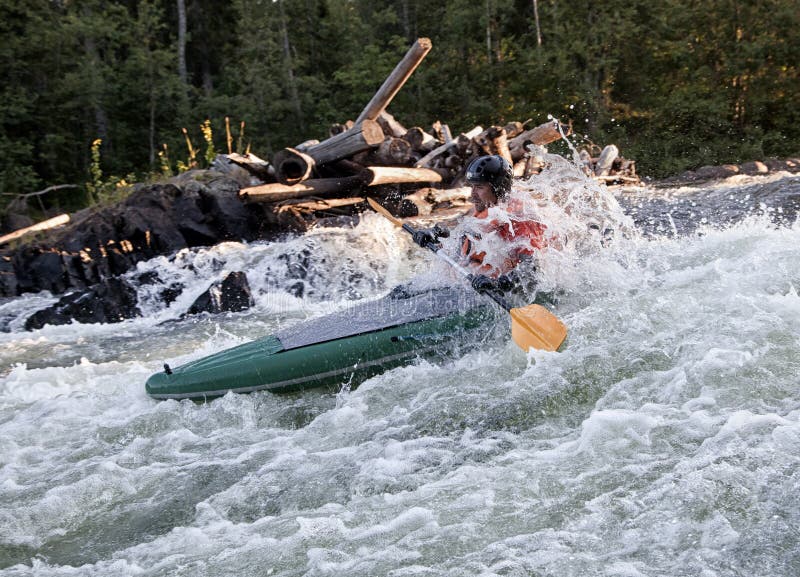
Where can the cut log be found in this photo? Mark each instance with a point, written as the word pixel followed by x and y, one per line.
pixel 426 160
pixel 415 204
pixel 446 136
pixel 362 136
pixel 254 165
pixel 390 126
pixel 607 158
pixel 39 226
pixel 293 166
pixel 311 187
pixel 317 205
pixel 393 151
pixel 514 129
pixel 398 175
pixel 395 81
pixel 420 140
pixel 541 135
pixel 369 176
pixel 493 140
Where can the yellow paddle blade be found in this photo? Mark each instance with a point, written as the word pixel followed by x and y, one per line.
pixel 535 327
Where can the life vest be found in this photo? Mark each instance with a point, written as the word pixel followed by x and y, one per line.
pixel 525 236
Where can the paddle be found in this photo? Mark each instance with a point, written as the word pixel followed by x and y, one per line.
pixel 532 326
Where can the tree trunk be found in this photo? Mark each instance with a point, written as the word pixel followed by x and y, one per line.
pixel 287 55
pixel 182 41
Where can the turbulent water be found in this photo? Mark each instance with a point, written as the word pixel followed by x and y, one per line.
pixel 664 440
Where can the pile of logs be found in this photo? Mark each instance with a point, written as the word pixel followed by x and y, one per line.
pixel 609 166
pixel 413 171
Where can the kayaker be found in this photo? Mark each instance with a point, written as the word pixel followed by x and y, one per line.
pixel 520 237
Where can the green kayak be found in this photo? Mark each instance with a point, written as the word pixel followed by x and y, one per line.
pixel 345 347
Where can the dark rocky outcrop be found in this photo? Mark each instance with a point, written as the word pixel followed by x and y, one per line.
pixel 231 295
pixel 198 208
pixel 110 301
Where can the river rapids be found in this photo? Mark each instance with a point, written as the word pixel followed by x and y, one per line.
pixel 663 440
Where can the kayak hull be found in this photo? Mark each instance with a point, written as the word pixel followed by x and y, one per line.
pixel 348 354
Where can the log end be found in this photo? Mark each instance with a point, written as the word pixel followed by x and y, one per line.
pixel 292 166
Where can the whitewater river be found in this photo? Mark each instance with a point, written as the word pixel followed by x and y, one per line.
pixel 663 441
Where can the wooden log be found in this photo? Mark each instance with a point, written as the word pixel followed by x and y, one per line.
pixel 59 220
pixel 393 151
pixel 460 194
pixel 610 178
pixel 362 136
pixel 514 129
pixel 419 139
pixel 607 158
pixel 254 165
pixel 303 146
pixel 395 81
pixel 318 205
pixel 339 128
pixel 390 126
pixel 415 204
pixel 426 160
pixel 446 136
pixel 493 140
pixel 368 176
pixel 398 175
pixel 312 187
pixel 541 135
pixel 293 166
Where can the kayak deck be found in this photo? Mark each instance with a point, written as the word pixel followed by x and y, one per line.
pixel 345 347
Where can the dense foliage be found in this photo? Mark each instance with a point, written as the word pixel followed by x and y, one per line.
pixel 674 84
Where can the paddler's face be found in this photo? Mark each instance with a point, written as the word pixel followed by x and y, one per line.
pixel 482 196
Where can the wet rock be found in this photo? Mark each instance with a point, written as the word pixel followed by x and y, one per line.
pixel 755 167
pixel 198 208
pixel 8 279
pixel 231 295
pixel 715 172
pixel 110 301
pixel 13 221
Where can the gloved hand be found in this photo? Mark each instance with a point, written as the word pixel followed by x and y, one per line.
pixel 506 282
pixel 425 236
pixel 482 283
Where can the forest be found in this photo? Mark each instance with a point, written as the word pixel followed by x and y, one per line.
pixel 98 93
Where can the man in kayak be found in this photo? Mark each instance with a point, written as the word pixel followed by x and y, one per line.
pixel 504 237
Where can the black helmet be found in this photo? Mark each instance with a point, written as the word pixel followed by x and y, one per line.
pixel 495 170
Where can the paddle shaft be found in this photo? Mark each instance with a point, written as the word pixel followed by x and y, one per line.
pixel 464 272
